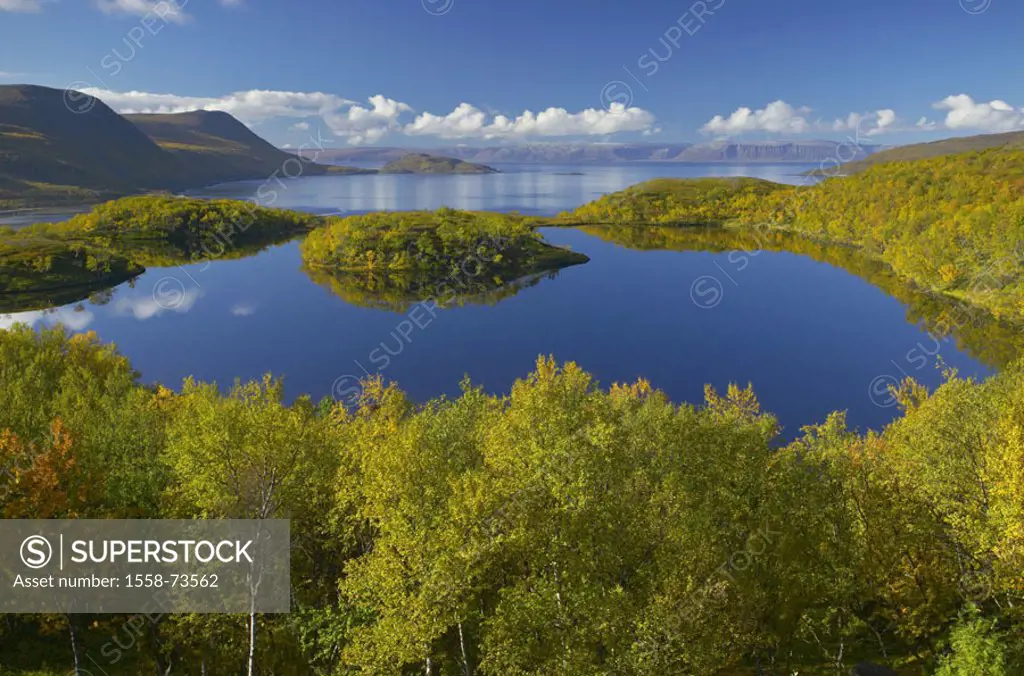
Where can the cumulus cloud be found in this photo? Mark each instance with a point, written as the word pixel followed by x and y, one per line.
pixel 468 121
pixel 994 116
pixel 781 117
pixel 248 106
pixel 368 123
pixel 870 124
pixel 777 116
pixel 168 10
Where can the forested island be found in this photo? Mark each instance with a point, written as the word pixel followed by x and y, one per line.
pixel 396 258
pixel 447 254
pixel 424 163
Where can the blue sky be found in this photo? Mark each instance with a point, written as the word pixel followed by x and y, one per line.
pixel 437 72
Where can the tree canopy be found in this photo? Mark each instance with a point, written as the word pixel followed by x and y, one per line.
pixel 561 528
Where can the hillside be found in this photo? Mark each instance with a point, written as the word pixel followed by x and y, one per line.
pixel 59 150
pixel 422 163
pixel 949 146
pixel 50 154
pixel 950 224
pixel 676 201
pixel 212 146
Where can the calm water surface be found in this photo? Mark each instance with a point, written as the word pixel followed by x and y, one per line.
pixel 812 338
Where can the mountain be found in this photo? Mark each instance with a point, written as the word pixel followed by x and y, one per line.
pixel 422 163
pixel 54 154
pixel 581 153
pixel 949 146
pixel 60 147
pixel 213 147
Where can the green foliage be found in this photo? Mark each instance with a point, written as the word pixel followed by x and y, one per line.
pixel 563 528
pixel 49 264
pixel 922 151
pixel 415 255
pixel 951 224
pixel 194 223
pixel 976 649
pixel 687 201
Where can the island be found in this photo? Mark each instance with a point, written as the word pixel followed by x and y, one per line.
pixel 384 259
pixel 49 264
pixel 445 255
pixel 423 163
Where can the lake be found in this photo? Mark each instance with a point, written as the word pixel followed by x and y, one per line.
pixel 811 336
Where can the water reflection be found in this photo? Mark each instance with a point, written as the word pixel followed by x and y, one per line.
pixel 76 318
pixel 991 341
pixel 530 189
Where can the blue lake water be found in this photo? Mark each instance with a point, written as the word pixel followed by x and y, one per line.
pixel 810 337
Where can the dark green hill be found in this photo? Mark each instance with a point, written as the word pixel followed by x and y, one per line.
pixel 212 147
pixel 50 154
pixel 58 147
pixel 949 146
pixel 422 163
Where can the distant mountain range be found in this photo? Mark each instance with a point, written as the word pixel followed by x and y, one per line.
pixel 581 153
pixel 55 153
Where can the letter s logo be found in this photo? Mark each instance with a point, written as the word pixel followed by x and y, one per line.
pixel 36 552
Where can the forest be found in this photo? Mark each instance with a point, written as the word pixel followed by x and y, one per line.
pixel 569 526
pixel 48 264
pixel 402 257
pixel 950 224
pixel 564 528
pixel 382 260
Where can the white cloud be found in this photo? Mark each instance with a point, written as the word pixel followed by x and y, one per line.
pixel 144 307
pixel 870 124
pixel 168 10
pixel 243 310
pixel 468 121
pixel 361 123
pixel 781 117
pixel 777 116
pixel 994 116
pixel 249 106
pixel 367 125
pixel 75 318
pixel 21 5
